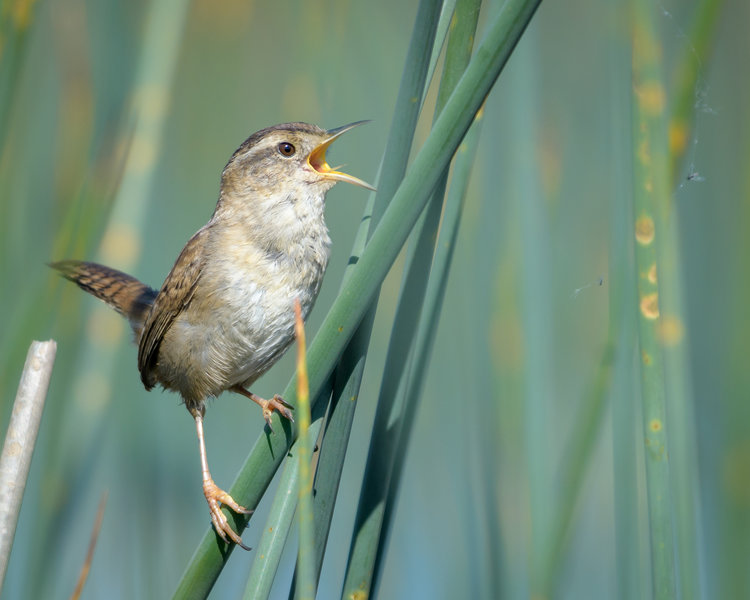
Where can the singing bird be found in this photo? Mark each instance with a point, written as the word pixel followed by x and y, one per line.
pixel 225 313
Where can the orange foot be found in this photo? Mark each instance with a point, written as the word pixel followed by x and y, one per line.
pixel 276 403
pixel 215 497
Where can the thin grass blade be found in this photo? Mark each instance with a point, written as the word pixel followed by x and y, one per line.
pixel 307 576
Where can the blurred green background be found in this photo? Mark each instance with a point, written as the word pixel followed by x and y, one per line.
pixel 524 321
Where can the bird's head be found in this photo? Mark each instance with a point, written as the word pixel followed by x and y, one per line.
pixel 287 159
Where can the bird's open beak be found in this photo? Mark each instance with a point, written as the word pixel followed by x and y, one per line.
pixel 317 158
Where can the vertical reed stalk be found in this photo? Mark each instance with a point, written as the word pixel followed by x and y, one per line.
pixel 651 199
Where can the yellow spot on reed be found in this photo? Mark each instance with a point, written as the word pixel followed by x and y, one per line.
pixel 651 97
pixel 678 136
pixel 646 358
pixel 650 306
pixel 644 230
pixel 648 186
pixel 480 113
pixel 655 425
pixel 121 245
pixel 652 274
pixel 670 330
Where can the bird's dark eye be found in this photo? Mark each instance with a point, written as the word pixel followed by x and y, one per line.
pixel 286 149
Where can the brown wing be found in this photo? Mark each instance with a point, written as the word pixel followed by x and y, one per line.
pixel 173 297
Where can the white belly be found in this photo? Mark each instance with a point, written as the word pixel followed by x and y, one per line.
pixel 260 328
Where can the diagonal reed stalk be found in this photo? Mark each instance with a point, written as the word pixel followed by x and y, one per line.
pixel 347 377
pixel 411 336
pixel 427 328
pixel 359 292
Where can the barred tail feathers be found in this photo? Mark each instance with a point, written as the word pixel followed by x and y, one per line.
pixel 128 296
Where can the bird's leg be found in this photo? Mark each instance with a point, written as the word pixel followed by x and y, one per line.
pixel 215 496
pixel 276 403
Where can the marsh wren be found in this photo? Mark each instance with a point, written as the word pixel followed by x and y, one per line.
pixel 225 313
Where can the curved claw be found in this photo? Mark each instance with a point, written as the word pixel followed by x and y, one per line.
pixel 282 407
pixel 215 497
pixel 276 403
